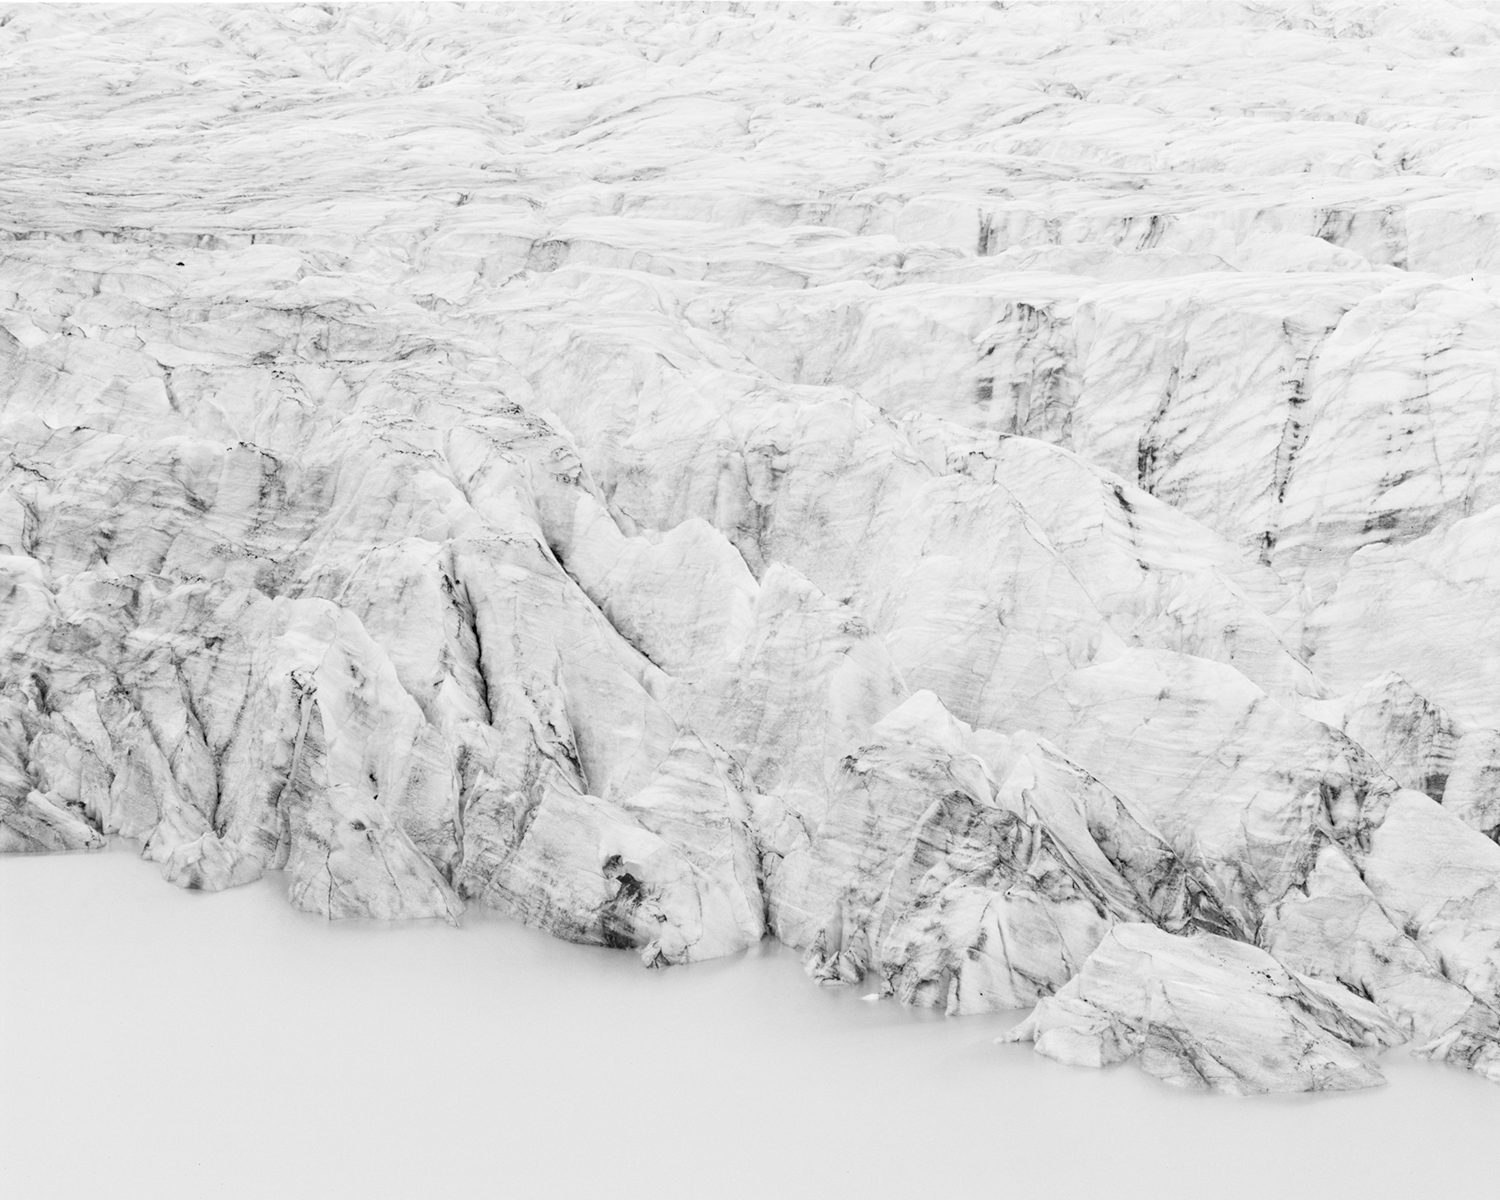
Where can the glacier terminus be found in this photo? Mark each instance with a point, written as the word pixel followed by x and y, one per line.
pixel 1002 499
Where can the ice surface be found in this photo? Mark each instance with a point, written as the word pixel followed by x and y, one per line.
pixel 968 493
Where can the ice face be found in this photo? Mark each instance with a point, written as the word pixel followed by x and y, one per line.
pixel 1005 503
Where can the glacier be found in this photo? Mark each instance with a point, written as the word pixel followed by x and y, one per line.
pixel 1003 500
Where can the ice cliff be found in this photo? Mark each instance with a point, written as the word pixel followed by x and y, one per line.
pixel 1003 499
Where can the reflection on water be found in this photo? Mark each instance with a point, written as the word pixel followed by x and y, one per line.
pixel 165 1043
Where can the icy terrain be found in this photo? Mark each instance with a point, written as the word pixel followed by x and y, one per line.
pixel 1004 500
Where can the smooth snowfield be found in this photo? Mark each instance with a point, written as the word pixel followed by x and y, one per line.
pixel 206 1046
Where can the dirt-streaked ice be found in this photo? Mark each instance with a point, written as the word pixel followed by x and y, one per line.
pixel 1003 499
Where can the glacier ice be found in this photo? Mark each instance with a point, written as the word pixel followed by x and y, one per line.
pixel 1003 499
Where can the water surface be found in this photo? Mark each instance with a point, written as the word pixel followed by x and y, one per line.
pixel 170 1044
